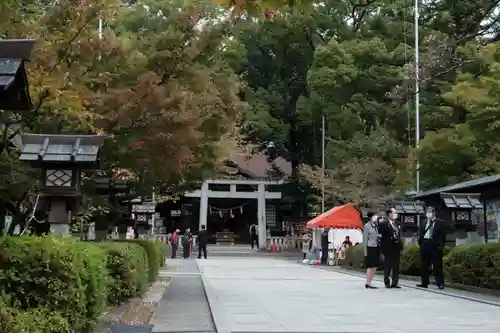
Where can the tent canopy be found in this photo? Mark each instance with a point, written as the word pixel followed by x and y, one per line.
pixel 339 217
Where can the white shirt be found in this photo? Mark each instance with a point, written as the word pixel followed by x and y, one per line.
pixel 394 227
pixel 428 233
pixel 392 224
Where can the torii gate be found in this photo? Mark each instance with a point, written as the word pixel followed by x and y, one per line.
pixel 261 195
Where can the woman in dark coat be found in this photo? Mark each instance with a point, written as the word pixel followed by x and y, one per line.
pixel 186 244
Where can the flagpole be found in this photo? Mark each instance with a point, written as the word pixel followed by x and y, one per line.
pixel 417 93
pixel 100 33
pixel 323 163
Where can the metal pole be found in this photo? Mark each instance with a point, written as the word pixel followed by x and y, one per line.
pixel 100 26
pixel 323 163
pixel 100 33
pixel 417 94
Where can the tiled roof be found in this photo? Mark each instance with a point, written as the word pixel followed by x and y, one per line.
pixel 408 207
pixel 61 148
pixel 259 166
pixel 461 186
pixel 462 200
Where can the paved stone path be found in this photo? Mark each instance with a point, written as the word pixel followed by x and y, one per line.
pixel 262 294
pixel 184 307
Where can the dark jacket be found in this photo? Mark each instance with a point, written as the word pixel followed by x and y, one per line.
pixel 324 240
pixel 202 238
pixel 391 238
pixel 438 233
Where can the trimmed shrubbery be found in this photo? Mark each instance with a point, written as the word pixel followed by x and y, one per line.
pixel 474 265
pixel 127 265
pixel 60 285
pixel 40 320
pixel 155 252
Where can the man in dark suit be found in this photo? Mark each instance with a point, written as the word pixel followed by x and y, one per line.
pixel 324 246
pixel 391 244
pixel 432 238
pixel 202 240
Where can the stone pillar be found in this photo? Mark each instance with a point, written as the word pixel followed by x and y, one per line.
pixel 203 205
pixel 59 217
pixel 261 215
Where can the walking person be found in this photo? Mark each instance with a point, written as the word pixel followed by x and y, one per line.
pixel 371 247
pixel 391 245
pixel 432 238
pixel 190 240
pixel 174 242
pixel 254 235
pixel 202 241
pixel 185 244
pixel 306 245
pixel 324 246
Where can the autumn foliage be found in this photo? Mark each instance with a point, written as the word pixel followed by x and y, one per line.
pixel 161 94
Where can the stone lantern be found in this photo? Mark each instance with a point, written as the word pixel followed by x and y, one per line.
pixel 14 96
pixel 143 215
pixel 61 159
pixel 409 214
pixel 116 191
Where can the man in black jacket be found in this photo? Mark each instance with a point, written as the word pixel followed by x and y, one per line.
pixel 432 238
pixel 324 246
pixel 202 241
pixel 391 244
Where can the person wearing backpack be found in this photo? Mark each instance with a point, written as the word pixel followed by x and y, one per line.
pixel 254 235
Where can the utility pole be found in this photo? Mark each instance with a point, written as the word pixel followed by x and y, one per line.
pixel 417 94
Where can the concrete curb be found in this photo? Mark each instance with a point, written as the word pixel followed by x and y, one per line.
pixel 407 285
pixel 217 309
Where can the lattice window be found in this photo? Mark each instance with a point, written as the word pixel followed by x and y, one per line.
pixel 142 218
pixel 58 178
pixel 462 216
pixel 409 219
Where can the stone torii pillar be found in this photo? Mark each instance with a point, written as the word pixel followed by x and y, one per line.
pixel 261 215
pixel 203 205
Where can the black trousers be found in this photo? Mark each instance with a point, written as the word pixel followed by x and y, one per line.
pixel 324 255
pixel 202 248
pixel 430 254
pixel 391 267
pixel 174 250
pixel 255 240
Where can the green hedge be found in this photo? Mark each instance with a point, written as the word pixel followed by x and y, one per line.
pixel 127 264
pixel 355 256
pixel 55 274
pixel 62 285
pixel 156 252
pixel 31 321
pixel 475 265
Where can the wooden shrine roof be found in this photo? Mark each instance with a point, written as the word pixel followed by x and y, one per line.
pixel 462 200
pixel 408 207
pixel 69 149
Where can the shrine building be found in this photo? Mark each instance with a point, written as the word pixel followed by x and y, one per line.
pixel 249 191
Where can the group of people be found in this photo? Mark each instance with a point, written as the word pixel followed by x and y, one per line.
pixel 383 235
pixel 308 249
pixel 186 241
